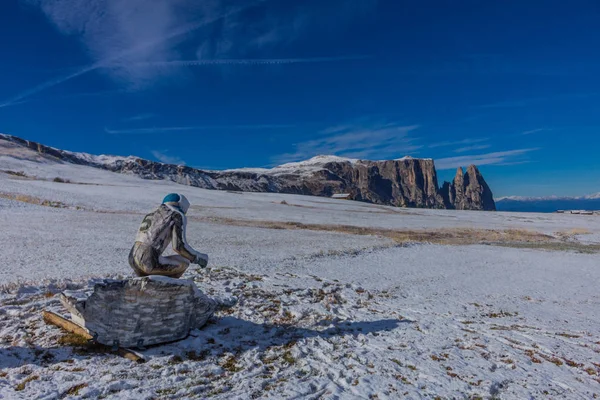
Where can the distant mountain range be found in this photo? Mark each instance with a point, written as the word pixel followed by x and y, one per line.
pixel 404 182
pixel 548 204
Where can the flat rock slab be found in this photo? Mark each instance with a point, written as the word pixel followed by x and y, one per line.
pixel 139 312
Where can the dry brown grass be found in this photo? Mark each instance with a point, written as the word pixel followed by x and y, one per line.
pixel 21 386
pixel 18 174
pixel 34 200
pixel 571 233
pixel 74 390
pixel 515 238
pixel 449 236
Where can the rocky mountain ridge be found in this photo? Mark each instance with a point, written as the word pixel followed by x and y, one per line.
pixel 405 182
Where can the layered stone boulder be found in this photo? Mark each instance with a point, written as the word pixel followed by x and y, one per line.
pixel 140 311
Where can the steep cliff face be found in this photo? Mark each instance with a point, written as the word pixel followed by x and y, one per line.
pixel 405 182
pixel 468 191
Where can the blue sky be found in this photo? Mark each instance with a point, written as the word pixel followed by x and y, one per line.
pixel 511 86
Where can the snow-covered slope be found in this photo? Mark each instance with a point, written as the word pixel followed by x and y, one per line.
pixel 406 182
pixel 322 313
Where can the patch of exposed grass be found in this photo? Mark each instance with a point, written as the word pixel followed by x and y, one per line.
pixel 230 364
pixel 21 386
pixel 166 391
pixel 569 234
pixel 35 200
pixel 19 174
pixel 568 335
pixel 572 363
pixel 60 180
pixel 400 364
pixel 554 360
pixel 501 314
pixel 288 358
pixel 175 360
pixel 403 379
pixel 193 356
pixel 74 390
pixel 555 246
pixel 395 361
pixel 439 358
pixel 532 356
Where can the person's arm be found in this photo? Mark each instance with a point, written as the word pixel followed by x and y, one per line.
pixel 181 246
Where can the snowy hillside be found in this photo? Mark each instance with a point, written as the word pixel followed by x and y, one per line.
pixel 404 182
pixel 338 299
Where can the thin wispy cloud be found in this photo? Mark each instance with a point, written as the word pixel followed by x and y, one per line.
pixel 250 61
pixel 70 96
pixel 472 148
pixel 532 131
pixel 364 141
pixel 516 163
pixel 458 142
pixel 129 39
pixel 496 158
pixel 166 129
pixel 139 117
pixel 162 156
pixel 532 101
pixel 126 32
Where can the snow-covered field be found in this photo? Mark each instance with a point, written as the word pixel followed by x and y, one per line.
pixel 323 314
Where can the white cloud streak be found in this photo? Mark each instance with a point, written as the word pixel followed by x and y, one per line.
pixel 125 32
pixel 532 101
pixel 139 117
pixel 532 131
pixel 364 141
pixel 162 156
pixel 129 39
pixel 472 148
pixel 166 129
pixel 458 142
pixel 63 97
pixel 250 61
pixel 496 158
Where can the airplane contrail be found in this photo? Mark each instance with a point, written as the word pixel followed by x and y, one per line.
pixel 110 60
pixel 142 131
pixel 248 61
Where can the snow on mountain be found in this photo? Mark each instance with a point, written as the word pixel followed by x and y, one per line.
pixel 549 198
pixel 84 158
pixel 319 160
pixel 101 159
pixel 548 203
pixel 389 182
pixel 310 165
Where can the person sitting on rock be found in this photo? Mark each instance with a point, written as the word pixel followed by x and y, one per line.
pixel 166 224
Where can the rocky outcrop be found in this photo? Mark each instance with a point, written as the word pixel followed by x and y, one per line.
pixel 406 182
pixel 468 191
pixel 140 312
